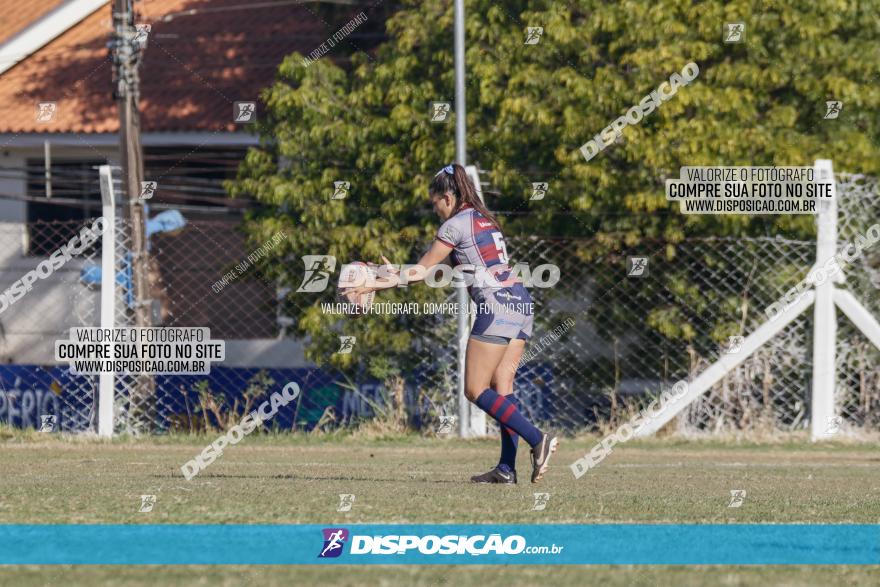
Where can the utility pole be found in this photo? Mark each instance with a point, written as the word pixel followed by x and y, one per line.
pixel 471 420
pixel 126 59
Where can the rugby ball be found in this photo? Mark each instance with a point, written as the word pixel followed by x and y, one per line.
pixel 357 274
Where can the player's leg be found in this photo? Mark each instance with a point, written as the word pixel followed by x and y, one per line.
pixel 490 337
pixel 502 382
pixel 483 359
pixel 541 452
pixel 484 356
pixel 505 373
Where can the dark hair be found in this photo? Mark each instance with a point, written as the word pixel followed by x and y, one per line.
pixel 460 184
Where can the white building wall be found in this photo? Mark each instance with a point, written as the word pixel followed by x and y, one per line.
pixel 30 326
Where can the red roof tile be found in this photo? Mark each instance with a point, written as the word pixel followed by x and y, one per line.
pixel 195 67
pixel 17 15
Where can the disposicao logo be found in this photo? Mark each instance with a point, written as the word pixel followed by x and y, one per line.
pixel 334 539
pixel 433 544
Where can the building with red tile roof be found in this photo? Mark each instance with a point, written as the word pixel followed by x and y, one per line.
pixel 201 57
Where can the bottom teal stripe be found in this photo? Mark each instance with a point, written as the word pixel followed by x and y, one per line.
pixel 657 544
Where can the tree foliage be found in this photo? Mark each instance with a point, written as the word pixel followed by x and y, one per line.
pixel 529 109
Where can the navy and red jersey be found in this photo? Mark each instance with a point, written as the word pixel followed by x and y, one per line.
pixel 475 241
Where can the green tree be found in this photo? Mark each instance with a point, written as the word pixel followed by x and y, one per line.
pixel 530 107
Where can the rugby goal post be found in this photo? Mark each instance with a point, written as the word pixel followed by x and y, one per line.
pixel 826 296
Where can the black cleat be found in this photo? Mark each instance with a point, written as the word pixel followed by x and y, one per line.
pixel 541 456
pixel 496 475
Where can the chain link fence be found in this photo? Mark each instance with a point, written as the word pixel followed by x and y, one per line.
pixel 201 276
pixel 695 301
pixel 40 304
pixel 858 361
pixel 637 320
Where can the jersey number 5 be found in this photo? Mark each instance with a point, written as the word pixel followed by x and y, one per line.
pixel 502 248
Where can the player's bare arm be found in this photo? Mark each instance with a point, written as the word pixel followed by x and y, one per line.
pixel 389 276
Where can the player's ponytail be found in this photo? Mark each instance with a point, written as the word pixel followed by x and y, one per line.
pixel 460 184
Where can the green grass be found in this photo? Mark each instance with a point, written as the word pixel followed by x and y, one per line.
pixel 410 479
pixel 298 479
pixel 438 576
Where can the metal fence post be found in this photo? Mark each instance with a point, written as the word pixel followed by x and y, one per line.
pixel 106 385
pixel 824 319
pixel 476 418
pixel 464 408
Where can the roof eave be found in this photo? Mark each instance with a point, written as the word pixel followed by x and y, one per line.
pixel 44 30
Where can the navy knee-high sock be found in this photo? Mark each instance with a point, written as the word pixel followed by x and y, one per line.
pixel 509 441
pixel 505 412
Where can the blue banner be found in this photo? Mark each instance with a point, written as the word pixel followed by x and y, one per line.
pixel 29 392
pixel 617 544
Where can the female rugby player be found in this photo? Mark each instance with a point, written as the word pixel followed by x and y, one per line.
pixel 471 236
